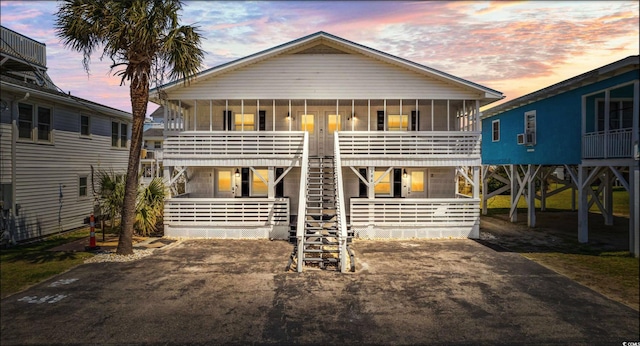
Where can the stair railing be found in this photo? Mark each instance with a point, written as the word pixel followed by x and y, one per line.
pixel 342 220
pixel 302 201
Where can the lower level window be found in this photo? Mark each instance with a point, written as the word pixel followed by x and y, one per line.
pixel 82 186
pixel 258 186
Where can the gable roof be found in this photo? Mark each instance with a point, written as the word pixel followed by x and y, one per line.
pixel 617 67
pixel 339 44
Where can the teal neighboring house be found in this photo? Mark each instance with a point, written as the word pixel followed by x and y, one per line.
pixel 582 131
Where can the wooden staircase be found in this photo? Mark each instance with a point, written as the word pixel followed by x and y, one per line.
pixel 321 241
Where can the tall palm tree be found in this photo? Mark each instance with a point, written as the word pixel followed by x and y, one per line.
pixel 144 41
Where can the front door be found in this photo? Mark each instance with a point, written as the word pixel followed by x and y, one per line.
pixel 309 122
pixel 321 127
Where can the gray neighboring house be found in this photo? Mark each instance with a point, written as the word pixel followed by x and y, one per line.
pixel 50 144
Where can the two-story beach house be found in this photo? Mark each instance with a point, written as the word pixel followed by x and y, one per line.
pixel 323 137
pixel 51 143
pixel 587 126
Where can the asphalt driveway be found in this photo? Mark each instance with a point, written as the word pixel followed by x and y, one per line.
pixel 236 291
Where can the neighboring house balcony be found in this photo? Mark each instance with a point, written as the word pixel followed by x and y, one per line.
pixel 19 52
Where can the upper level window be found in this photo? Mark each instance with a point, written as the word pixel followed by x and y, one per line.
pixel 118 135
pixel 245 122
pixel 495 131
pixel 85 130
pixel 620 114
pixel 34 123
pixel 157 145
pixel 530 127
pixel 397 122
pixel 25 121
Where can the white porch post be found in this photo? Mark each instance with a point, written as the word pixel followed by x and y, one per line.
pixel 485 187
pixel 353 115
pixel 448 116
pixel 531 196
pixel 368 114
pixel 608 197
pixel 514 194
pixel 583 206
pixel 290 116
pixel 543 190
pixel 476 182
pixel 371 193
pixel 634 178
pixel 607 109
pixel 634 205
pixel 195 115
pixel 432 113
pixel 273 116
pixel 271 178
pixel 210 115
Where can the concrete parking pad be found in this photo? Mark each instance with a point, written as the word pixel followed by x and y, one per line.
pixel 236 291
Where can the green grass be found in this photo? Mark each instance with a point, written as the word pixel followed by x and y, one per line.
pixel 25 265
pixel 562 201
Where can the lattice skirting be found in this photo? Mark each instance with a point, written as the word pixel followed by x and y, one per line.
pixel 276 232
pixel 377 232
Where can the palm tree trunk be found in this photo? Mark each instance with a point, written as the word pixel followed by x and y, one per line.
pixel 139 91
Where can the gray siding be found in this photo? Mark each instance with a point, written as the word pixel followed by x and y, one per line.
pixel 44 170
pixel 317 76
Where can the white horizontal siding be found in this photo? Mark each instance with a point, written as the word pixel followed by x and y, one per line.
pixel 42 169
pixel 5 153
pixel 316 76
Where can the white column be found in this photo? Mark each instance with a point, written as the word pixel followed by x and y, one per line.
pixel 210 115
pixel 607 109
pixel 242 111
pixel 166 117
pixel 290 116
pixel 273 116
pixel 271 178
pixel 583 206
pixel 608 197
pixel 368 114
pixel 531 196
pixel 485 188
pixel 634 206
pixel 448 120
pixel 476 182
pixel 514 193
pixel 353 115
pixel 432 113
pixel 400 114
pixel 195 115
pixel 256 120
pixel 371 194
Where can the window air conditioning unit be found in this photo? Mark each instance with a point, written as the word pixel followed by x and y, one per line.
pixel 527 138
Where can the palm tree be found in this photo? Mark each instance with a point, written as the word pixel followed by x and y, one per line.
pixel 144 40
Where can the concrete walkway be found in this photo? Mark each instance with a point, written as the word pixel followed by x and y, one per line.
pixel 236 291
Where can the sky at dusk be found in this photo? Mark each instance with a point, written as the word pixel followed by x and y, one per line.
pixel 512 47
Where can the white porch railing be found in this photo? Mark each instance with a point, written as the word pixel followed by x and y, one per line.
pixel 340 203
pixel 603 145
pixel 302 201
pixel 435 144
pixel 415 218
pixel 227 144
pixel 226 217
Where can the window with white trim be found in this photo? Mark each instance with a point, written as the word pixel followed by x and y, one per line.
pixel 118 134
pixel 258 186
pixel 82 186
pixel 495 131
pixel 383 187
pixel 530 127
pixel 34 122
pixel 85 126
pixel 620 114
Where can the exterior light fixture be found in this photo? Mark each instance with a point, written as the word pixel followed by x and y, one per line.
pixel 237 173
pixel 404 173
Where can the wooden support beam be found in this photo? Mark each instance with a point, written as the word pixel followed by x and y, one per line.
pixel 362 179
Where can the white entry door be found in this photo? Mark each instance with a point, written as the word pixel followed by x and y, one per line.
pixel 333 122
pixel 309 122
